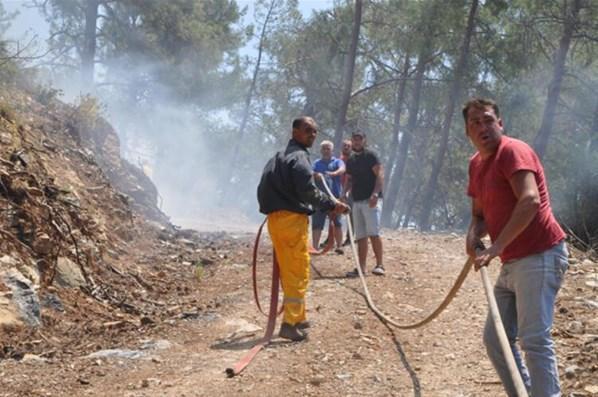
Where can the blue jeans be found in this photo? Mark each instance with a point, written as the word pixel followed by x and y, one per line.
pixel 525 292
pixel 318 220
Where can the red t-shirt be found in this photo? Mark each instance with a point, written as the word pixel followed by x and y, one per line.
pixel 489 182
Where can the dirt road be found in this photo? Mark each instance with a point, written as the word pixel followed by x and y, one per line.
pixel 350 352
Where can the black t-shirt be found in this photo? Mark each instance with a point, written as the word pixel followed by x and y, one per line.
pixel 363 179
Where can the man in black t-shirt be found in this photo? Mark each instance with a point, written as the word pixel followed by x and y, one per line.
pixel 365 179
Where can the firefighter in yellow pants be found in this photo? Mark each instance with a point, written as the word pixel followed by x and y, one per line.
pixel 289 233
pixel 287 194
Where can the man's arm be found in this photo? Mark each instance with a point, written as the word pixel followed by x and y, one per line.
pixel 477 228
pixel 347 186
pixel 341 170
pixel 378 170
pixel 305 187
pixel 525 189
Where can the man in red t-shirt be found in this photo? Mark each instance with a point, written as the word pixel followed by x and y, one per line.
pixel 510 202
pixel 345 154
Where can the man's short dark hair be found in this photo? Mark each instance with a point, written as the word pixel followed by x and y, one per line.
pixel 298 122
pixel 480 103
pixel 358 133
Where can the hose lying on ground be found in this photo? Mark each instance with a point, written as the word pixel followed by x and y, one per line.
pixel 272 312
pixel 449 297
pixel 493 308
pixel 370 302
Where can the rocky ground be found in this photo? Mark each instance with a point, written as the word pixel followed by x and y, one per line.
pixel 197 317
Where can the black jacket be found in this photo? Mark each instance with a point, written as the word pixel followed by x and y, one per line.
pixel 287 183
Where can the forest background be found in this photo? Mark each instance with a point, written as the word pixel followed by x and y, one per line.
pixel 201 96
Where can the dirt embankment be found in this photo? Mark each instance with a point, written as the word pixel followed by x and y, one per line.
pixel 71 211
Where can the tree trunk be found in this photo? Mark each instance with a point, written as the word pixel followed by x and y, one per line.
pixel 348 76
pixel 88 52
pixel 554 89
pixel 396 130
pixel 410 205
pixel 593 146
pixel 391 194
pixel 414 188
pixel 454 94
pixel 247 109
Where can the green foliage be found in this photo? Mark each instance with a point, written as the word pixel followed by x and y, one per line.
pixel 179 48
pixel 511 57
pixel 310 64
pixel 8 66
pixel 66 20
pixel 88 111
pixel 5 19
pixel 7 112
pixel 9 70
pixel 46 94
pixel 187 46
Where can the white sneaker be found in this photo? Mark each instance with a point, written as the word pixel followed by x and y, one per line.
pixel 378 270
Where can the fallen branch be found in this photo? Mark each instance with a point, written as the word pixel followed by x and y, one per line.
pixel 6 162
pixel 141 281
pixel 95 188
pixel 576 238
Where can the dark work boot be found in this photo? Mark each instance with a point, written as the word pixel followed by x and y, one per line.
pixel 303 325
pixel 291 332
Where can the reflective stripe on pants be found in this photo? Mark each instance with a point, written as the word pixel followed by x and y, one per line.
pixel 289 234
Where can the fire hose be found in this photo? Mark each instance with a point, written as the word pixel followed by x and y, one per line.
pixel 272 312
pixel 495 315
pixel 493 307
pixel 502 335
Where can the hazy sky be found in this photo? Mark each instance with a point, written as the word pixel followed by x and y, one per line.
pixel 29 22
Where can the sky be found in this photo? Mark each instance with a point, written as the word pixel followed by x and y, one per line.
pixel 29 22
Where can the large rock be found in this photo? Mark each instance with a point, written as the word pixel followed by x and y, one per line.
pixel 29 271
pixel 7 261
pixel 68 274
pixel 43 244
pixel 24 299
pixel 9 317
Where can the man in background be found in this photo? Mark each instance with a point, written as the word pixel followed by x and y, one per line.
pixel 345 154
pixel 329 169
pixel 365 179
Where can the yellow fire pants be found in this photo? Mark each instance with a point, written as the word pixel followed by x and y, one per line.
pixel 289 234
